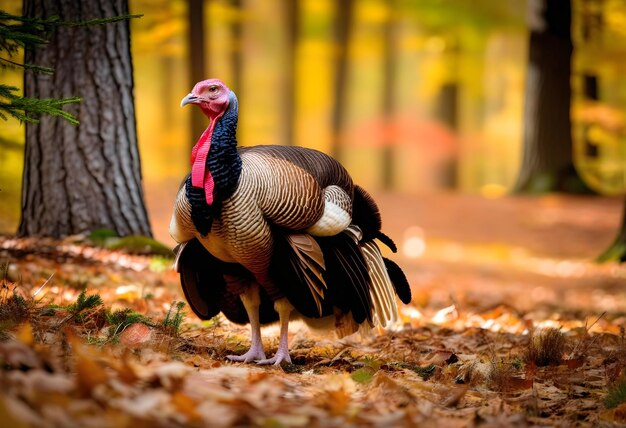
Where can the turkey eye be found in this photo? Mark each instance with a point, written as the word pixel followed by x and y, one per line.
pixel 212 89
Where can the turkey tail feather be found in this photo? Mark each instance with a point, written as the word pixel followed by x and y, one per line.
pixel 365 213
pixel 309 263
pixel 387 241
pixel 383 296
pixel 399 281
pixel 297 271
pixel 347 274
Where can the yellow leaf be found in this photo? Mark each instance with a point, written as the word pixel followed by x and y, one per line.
pixel 10 412
pixel 89 373
pixel 25 334
pixel 185 405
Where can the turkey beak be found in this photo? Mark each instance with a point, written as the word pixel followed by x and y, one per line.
pixel 189 99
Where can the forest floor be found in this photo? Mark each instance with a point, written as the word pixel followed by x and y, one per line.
pixel 512 323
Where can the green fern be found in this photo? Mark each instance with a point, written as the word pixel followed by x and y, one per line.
pixel 174 318
pixel 122 318
pixel 84 302
pixel 616 394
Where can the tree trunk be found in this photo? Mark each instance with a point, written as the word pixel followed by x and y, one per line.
pixel 389 96
pixel 592 22
pixel 547 158
pixel 80 178
pixel 292 12
pixel 197 61
pixel 236 58
pixel 617 251
pixel 343 29
pixel 449 114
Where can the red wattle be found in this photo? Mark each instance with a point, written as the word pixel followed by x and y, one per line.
pixel 200 176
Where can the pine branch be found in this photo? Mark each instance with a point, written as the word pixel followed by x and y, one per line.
pixel 98 21
pixel 28 32
pixel 20 32
pixel 27 109
pixel 7 63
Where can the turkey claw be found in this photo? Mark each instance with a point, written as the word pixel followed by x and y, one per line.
pixel 277 359
pixel 248 357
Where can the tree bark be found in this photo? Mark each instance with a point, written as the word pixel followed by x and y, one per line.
pixel 80 178
pixel 292 12
pixel 617 250
pixel 236 58
pixel 389 96
pixel 547 158
pixel 448 112
pixel 197 61
pixel 342 32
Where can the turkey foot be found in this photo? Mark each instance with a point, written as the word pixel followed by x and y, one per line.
pixel 255 353
pixel 282 355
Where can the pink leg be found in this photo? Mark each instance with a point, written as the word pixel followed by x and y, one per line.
pixel 284 308
pixel 251 301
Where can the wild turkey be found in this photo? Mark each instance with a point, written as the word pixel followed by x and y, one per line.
pixel 268 233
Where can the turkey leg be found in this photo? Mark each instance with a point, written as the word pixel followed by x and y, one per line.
pixel 284 308
pixel 251 301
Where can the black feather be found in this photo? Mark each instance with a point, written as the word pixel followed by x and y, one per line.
pixel 400 283
pixel 347 276
pixel 286 273
pixel 387 241
pixel 365 214
pixel 203 280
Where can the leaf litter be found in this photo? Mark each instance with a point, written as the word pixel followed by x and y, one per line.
pixel 96 337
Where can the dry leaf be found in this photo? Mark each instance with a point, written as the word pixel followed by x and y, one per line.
pixel 89 374
pixel 125 371
pixel 15 414
pixel 186 405
pixel 454 396
pixel 337 394
pixel 620 413
pixel 25 334
pixel 171 375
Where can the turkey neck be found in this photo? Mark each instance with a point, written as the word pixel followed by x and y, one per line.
pixel 223 161
pixel 223 165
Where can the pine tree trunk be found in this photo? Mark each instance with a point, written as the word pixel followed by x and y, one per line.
pixel 292 19
pixel 342 32
pixel 389 96
pixel 448 113
pixel 236 58
pixel 617 250
pixel 80 178
pixel 197 60
pixel 547 158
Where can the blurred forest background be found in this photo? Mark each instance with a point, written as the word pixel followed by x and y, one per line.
pixel 412 96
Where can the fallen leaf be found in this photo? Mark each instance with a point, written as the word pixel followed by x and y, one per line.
pixel 171 375
pixel 186 405
pixel 454 396
pixel 620 413
pixel 441 358
pixel 15 414
pixel 25 334
pixel 89 374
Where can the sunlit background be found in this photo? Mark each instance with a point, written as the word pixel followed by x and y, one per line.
pixel 434 93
